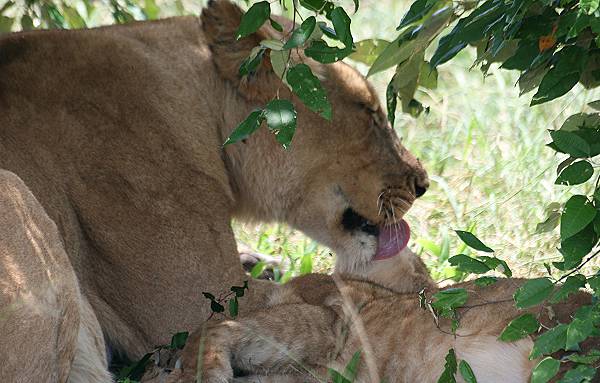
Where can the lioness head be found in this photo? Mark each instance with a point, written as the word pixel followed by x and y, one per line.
pixel 344 182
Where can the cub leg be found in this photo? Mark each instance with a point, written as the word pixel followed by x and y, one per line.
pixel 285 340
pixel 40 301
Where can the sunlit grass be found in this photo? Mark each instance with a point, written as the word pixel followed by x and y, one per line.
pixel 484 149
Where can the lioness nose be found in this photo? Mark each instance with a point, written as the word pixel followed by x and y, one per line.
pixel 420 189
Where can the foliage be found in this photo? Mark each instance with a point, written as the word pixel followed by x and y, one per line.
pixel 134 371
pixel 451 367
pixel 350 371
pixel 229 299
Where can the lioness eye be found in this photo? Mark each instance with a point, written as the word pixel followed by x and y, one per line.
pixel 367 107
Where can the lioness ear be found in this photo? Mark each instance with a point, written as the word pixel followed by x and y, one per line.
pixel 220 21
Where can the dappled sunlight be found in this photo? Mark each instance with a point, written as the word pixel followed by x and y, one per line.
pixel 29 278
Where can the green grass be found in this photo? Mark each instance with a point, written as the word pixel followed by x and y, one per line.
pixel 484 149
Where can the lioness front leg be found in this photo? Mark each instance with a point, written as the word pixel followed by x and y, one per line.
pixel 263 343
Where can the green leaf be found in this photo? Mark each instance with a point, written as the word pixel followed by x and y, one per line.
pixel 575 174
pixel 258 269
pixel 309 89
pixel 450 368
pixel 533 292
pixel 466 372
pixel 467 264
pixel 246 127
pixel 579 374
pixel 279 60
pixel 325 54
pixel 239 290
pixel 136 371
pixel 552 219
pixel 594 283
pixel 545 370
pixel 589 6
pixel 75 20
pixel 571 285
pixel 591 357
pixel 341 23
pixel 580 121
pixel 272 44
pixel 337 377
pixel 276 25
pixel 532 78
pixel 233 307
pixel 150 9
pixel 301 34
pixel 447 300
pixel 519 328
pixel 412 42
pixel 578 331
pixel 209 296
pixel 253 19
pixel 391 99
pixel 251 63
pixel 319 6
pixel 578 246
pixel 497 264
pixel 417 11
pixel 565 74
pixel 178 340
pixel 485 281
pixel 472 241
pixel 577 214
pixel 352 366
pixel 521 60
pixel 468 29
pixel 216 307
pixel 281 119
pixel 594 105
pixel 368 50
pixel 306 264
pixel 428 76
pixel 6 24
pixel 550 341
pixel 554 85
pixel 571 143
pixel 26 23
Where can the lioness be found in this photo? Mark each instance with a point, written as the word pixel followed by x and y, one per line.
pixel 320 321
pixel 115 136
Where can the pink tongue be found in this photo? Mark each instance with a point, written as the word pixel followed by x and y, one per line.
pixel 392 240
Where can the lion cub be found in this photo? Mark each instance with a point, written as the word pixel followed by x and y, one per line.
pixel 316 322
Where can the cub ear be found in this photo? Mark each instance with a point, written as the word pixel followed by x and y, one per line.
pixel 220 21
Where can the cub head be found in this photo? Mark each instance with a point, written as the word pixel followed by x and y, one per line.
pixel 346 182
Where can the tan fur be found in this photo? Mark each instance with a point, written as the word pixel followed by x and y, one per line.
pixel 321 321
pixel 118 134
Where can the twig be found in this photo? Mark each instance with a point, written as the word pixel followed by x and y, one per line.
pixel 579 267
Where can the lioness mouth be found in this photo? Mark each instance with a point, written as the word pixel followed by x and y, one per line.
pixel 391 239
